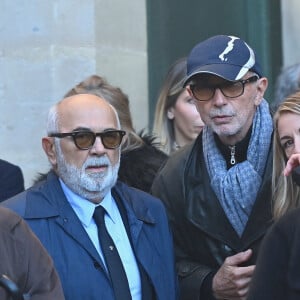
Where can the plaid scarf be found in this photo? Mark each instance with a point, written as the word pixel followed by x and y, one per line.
pixel 237 187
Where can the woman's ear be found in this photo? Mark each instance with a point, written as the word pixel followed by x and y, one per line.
pixel 49 148
pixel 170 113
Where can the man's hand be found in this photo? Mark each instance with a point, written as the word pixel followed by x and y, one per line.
pixel 232 281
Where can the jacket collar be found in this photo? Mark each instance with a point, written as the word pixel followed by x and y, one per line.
pixel 47 199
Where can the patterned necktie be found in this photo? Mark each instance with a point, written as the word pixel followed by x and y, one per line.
pixel 112 259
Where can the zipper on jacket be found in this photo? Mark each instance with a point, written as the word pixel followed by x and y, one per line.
pixel 232 155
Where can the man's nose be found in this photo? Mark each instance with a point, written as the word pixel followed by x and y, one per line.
pixel 98 147
pixel 218 99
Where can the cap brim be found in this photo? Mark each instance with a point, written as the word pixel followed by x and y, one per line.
pixel 226 71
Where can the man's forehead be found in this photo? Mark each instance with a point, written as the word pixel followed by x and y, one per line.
pixel 86 112
pixel 84 100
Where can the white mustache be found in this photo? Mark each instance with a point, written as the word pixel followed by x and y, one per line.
pixel 96 161
pixel 216 113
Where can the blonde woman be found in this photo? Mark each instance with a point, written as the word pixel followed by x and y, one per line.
pixel 286 194
pixel 277 276
pixel 177 121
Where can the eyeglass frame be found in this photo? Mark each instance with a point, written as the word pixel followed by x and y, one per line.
pixel 73 134
pixel 251 79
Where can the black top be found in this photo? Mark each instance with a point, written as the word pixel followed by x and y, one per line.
pixel 277 273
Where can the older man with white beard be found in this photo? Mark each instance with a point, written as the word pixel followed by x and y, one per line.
pixel 83 147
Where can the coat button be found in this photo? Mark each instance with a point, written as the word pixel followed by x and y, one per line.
pixel 97 265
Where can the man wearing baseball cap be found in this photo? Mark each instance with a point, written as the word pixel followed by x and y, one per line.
pixel 218 190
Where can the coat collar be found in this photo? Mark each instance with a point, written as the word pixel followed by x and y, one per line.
pixel 47 200
pixel 203 202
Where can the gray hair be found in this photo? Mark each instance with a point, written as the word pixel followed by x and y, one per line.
pixel 52 120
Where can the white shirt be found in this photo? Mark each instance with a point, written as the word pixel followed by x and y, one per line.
pixel 84 209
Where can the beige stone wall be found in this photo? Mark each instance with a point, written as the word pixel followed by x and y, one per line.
pixel 290 31
pixel 46 47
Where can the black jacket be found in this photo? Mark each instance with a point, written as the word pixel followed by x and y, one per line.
pixel 203 235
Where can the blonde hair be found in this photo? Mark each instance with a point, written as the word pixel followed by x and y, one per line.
pixel 286 194
pixel 98 86
pixel 172 87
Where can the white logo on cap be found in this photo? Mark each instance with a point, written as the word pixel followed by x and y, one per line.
pixel 229 47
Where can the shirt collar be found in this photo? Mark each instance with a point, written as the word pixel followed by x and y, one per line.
pixel 84 208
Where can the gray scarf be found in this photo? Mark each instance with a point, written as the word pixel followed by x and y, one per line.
pixel 237 187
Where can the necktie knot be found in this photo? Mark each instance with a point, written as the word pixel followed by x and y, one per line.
pixel 99 215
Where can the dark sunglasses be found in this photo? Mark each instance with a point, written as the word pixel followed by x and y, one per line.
pixel 84 140
pixel 203 92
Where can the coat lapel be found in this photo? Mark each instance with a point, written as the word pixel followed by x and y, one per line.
pixel 54 204
pixel 140 222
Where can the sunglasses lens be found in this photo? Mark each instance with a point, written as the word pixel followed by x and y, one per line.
pixel 84 140
pixel 111 139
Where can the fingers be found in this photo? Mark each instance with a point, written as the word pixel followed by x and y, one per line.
pixel 293 162
pixel 238 258
pixel 232 281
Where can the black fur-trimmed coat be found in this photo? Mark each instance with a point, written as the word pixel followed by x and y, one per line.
pixel 139 167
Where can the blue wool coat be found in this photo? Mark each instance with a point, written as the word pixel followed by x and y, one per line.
pixel 80 268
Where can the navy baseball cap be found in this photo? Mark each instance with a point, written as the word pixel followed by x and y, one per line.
pixel 226 56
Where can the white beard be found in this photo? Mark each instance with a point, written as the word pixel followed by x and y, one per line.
pixel 91 186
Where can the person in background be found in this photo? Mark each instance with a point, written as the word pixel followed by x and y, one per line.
pixel 277 276
pixel 217 191
pixel 25 264
pixel 83 216
pixel 287 83
pixel 141 157
pixel 11 180
pixel 176 120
